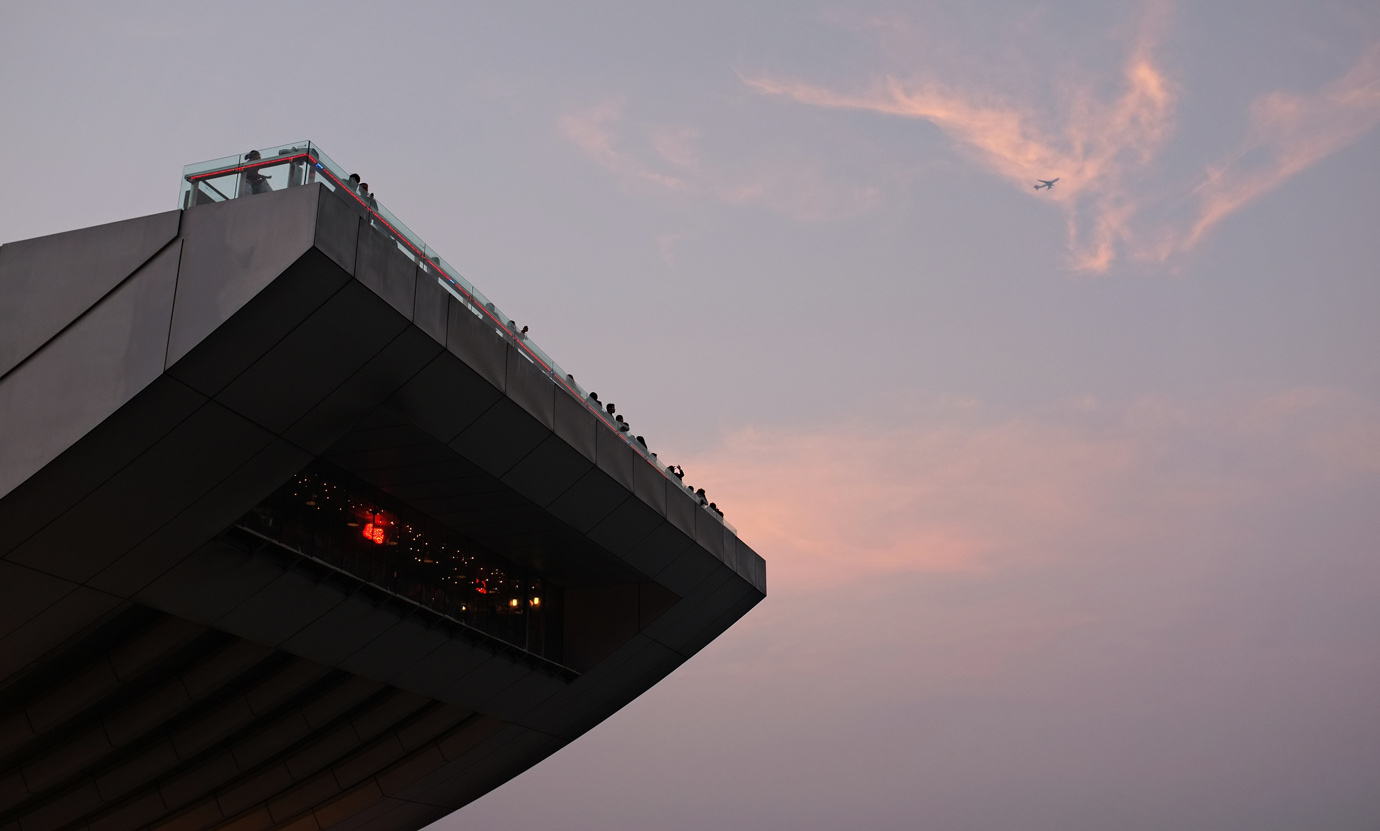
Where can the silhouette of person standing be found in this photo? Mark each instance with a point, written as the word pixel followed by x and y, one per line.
pixel 253 181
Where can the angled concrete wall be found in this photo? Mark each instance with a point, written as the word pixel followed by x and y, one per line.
pixel 175 370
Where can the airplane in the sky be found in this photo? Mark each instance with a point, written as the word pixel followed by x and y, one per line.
pixel 1047 184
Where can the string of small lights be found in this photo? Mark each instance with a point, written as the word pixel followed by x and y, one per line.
pixel 349 524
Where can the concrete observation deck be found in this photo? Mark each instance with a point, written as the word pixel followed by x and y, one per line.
pixel 192 637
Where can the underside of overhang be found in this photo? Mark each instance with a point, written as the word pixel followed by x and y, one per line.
pixel 173 371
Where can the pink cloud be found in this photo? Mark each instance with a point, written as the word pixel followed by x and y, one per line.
pixel 1105 149
pixel 592 130
pixel 1091 144
pixel 964 492
pixel 1295 132
pixel 667 158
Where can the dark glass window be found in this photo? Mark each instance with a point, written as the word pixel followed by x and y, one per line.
pixel 327 514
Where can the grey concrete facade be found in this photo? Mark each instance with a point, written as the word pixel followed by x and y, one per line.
pixel 158 378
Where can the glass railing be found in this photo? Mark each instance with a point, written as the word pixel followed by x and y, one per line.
pixel 303 163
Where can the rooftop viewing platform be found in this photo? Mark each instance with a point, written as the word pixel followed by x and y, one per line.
pixel 303 163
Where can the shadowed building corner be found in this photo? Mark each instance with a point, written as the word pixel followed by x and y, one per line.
pixel 299 533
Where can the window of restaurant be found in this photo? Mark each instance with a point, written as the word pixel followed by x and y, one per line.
pixel 329 515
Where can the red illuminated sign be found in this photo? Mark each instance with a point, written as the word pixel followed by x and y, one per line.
pixel 373 531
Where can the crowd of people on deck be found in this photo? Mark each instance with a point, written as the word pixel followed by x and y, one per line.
pixel 256 182
pixel 622 425
pixel 362 188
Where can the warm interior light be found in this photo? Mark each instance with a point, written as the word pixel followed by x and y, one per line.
pixel 536 601
pixel 373 531
pixel 512 602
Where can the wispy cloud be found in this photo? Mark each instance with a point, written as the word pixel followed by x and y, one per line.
pixel 1289 133
pixel 668 158
pixel 1095 146
pixel 1105 149
pixel 591 130
pixel 1107 146
pixel 666 246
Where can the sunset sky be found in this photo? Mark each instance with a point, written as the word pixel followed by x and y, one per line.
pixel 1070 499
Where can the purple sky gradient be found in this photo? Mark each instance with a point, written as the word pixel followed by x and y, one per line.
pixel 1070 500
